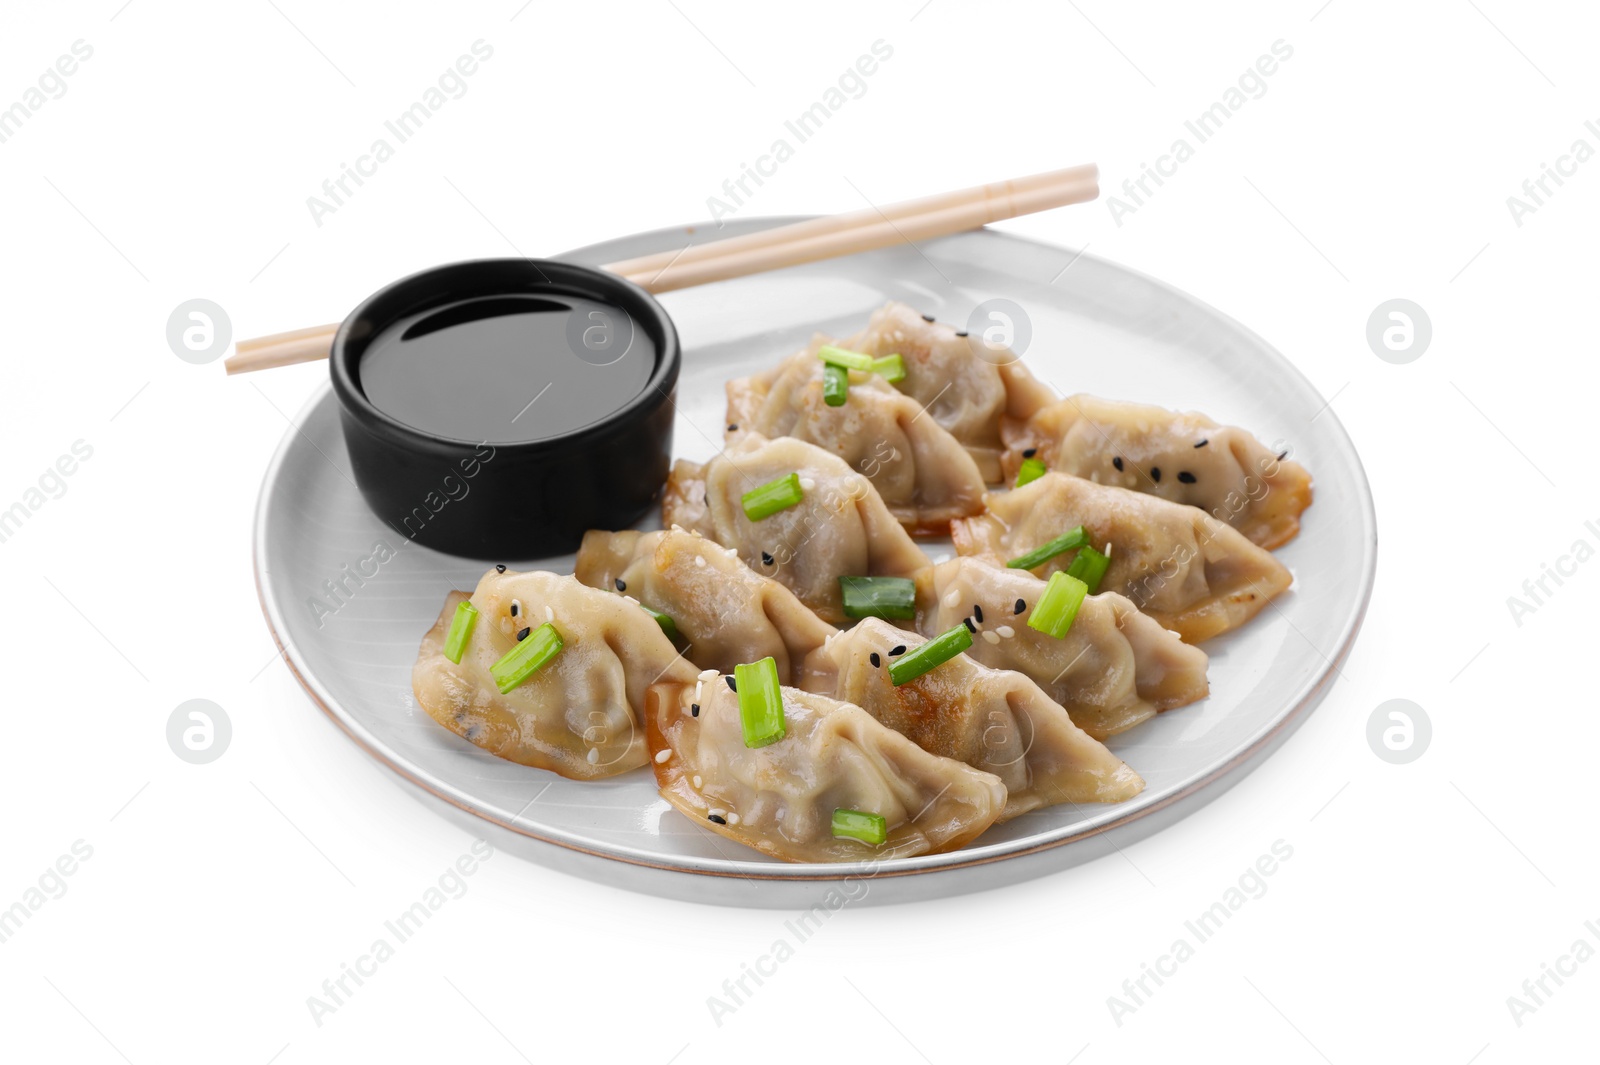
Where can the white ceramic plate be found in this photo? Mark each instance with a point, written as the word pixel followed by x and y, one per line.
pixel 1095 327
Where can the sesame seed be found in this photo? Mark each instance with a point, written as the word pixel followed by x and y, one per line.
pixel 1006 631
pixel 499 567
pixel 621 584
pixel 549 613
pixel 1186 477
pixel 1203 443
pixel 699 560
pixel 766 559
pixel 694 709
pixel 516 608
pixel 897 649
pixel 697 781
pixel 961 332
pixel 1022 604
pixel 952 598
pixel 875 660
pixel 927 318
pixel 1282 455
pixel 733 818
pixel 594 755
pixel 522 634
pixel 708 674
pixel 977 613
pixel 733 428
pixel 970 626
pixel 1030 452
pixel 1116 461
pixel 807 484
pixel 991 637
pixel 733 685
pixel 663 756
pixel 1155 474
pixel 716 819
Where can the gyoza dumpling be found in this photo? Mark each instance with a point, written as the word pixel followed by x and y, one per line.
pixel 1114 668
pixel 1187 570
pixel 581 714
pixel 992 719
pixel 780 799
pixel 727 612
pixel 1183 457
pixel 840 528
pixel 965 383
pixel 924 475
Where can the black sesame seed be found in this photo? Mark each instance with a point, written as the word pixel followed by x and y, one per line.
pixel 970 626
pixel 961 332
pixel 766 559
pixel 514 609
pixel 500 567
pixel 1020 607
pixel 733 428
pixel 1186 477
pixel 977 613
pixel 522 634
pixel 1155 474
pixel 732 684
pixel 897 649
pixel 694 709
pixel 1203 443
pixel 717 819
pixel 927 318
pixel 1282 455
pixel 875 660
pixel 1030 452
pixel 1117 462
pixel 621 584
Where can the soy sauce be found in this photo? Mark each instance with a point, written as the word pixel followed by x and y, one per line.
pixel 508 369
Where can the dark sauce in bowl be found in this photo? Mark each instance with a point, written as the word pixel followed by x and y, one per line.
pixel 507 369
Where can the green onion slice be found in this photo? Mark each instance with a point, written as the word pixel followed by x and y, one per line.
pixel 668 626
pixel 772 497
pixel 879 597
pixel 455 641
pixel 1053 613
pixel 850 360
pixel 854 824
pixel 835 385
pixel 1031 470
pixel 891 368
pixel 1089 566
pixel 936 652
pixel 760 702
pixel 1045 552
pixel 526 658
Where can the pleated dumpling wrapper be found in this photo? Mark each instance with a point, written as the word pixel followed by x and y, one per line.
pixel 1113 669
pixel 966 382
pixel 838 528
pixel 581 713
pixel 1183 457
pixel 1177 564
pixel 923 473
pixel 781 798
pixel 724 610
pixel 994 720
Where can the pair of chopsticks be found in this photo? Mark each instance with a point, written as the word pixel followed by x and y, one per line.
pixel 810 241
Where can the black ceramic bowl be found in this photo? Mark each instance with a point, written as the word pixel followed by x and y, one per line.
pixel 508 500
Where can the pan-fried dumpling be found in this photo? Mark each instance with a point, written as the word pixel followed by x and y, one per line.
pixel 1114 668
pixel 992 719
pixel 840 528
pixel 1179 565
pixel 727 612
pixel 780 799
pixel 581 715
pixel 1183 457
pixel 924 475
pixel 965 383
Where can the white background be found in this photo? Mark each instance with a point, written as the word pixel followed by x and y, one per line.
pixel 1377 165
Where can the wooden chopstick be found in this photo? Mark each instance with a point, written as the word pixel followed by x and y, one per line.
pixel 808 241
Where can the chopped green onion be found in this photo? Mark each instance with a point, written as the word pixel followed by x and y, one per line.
pixel 460 630
pixel 668 626
pixel 850 360
pixel 835 385
pixel 1031 470
pixel 879 597
pixel 1089 567
pixel 936 652
pixel 1045 552
pixel 891 368
pixel 854 824
pixel 1053 613
pixel 772 497
pixel 526 658
pixel 760 702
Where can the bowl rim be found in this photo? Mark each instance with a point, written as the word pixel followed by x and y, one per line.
pixel 547 275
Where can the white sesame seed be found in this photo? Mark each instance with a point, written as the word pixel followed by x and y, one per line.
pixel 549 614
pixel 699 560
pixel 733 818
pixel 708 674
pixel 1007 631
pixel 990 637
pixel 1108 549
pixel 631 599
pixel 594 755
pixel 698 685
pixel 953 598
pixel 717 811
pixel 697 781
pixel 663 756
pixel 807 483
pixel 676 527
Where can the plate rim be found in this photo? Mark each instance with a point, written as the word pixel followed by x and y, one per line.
pixel 1214 781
